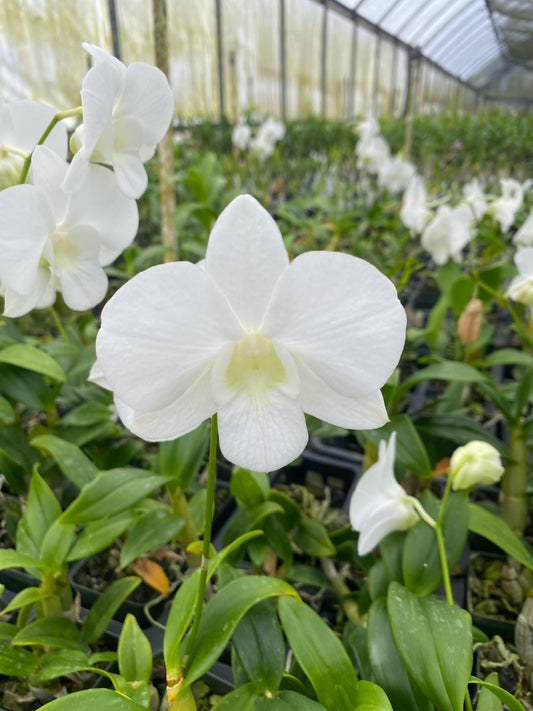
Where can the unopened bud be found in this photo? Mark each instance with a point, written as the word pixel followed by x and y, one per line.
pixel 470 322
pixel 475 463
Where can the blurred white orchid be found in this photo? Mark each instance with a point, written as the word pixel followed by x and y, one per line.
pixel 372 153
pixel 57 241
pixel 254 338
pixel 269 133
pixel 504 208
pixel 521 287
pixel 475 198
pixel 448 233
pixel 367 129
pixel 241 135
pixel 394 174
pixel 22 123
pixel 379 505
pixel 524 236
pixel 415 213
pixel 126 112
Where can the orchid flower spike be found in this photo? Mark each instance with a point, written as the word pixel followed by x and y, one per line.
pixel 379 505
pixel 448 233
pixel 253 338
pixel 22 123
pixel 56 241
pixel 126 112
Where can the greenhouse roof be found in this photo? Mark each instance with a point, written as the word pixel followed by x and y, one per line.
pixel 487 43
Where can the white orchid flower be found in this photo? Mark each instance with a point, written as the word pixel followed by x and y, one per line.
pixel 57 241
pixel 241 135
pixel 22 123
pixel 271 130
pixel 379 505
pixel 415 213
pixel 372 153
pixel 367 129
pixel 394 174
pixel 521 287
pixel 524 236
pixel 448 232
pixel 254 338
pixel 504 208
pixel 126 112
pixel 474 196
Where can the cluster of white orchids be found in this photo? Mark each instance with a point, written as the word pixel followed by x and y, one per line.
pixel 262 144
pixel 61 223
pixel 447 230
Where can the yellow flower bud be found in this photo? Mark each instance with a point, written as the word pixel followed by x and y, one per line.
pixel 475 463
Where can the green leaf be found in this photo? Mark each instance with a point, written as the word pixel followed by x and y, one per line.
pixel 7 631
pixel 370 697
pixel 259 643
pixel 505 696
pixel 312 538
pixel 179 619
pixel 15 661
pixel 74 464
pixel 411 453
pixel 508 356
pixel 487 701
pixel 105 607
pixel 51 632
pixel 153 529
pixel 7 413
pixel 99 535
pixel 31 358
pixel 456 429
pixel 243 699
pixel 495 530
pixel 87 415
pixel 12 559
pixel 92 699
pixel 434 641
pixel 56 545
pixel 28 596
pixel 134 652
pixel 451 371
pixel 23 386
pixel 422 571
pixel 387 667
pixel 110 493
pixel 59 663
pixel 223 613
pixel 249 488
pixel 319 652
pixel 293 513
pixel 183 458
pixel 42 510
pixel 287 701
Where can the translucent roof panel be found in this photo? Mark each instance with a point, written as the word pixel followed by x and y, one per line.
pixel 461 36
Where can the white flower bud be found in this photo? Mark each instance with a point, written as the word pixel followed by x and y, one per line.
pixel 475 463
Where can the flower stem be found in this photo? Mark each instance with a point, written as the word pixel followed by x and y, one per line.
pixel 209 506
pixel 59 325
pixel 58 117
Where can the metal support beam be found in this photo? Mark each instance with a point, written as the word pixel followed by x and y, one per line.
pixel 353 69
pixel 283 59
pixel 375 82
pixel 393 80
pixel 324 61
pixel 220 58
pixel 113 21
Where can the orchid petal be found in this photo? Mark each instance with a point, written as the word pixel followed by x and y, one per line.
pixel 82 280
pixel 48 172
pixel 29 120
pixel 341 317
pixel 390 517
pixel 320 400
pixel 41 295
pixel 152 356
pixel 131 175
pixel 245 256
pixel 262 438
pixel 26 222
pixel 182 416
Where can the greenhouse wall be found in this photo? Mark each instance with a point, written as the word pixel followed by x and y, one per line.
pixel 231 57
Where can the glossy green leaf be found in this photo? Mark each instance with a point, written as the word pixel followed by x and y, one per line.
pixel 74 464
pixel 319 652
pixel 487 701
pixel 243 699
pixel 494 529
pixel 179 619
pixel 293 513
pixel 312 538
pixel 276 529
pixel 87 415
pixel 31 358
pixel 249 488
pixel 42 510
pixel 23 386
pixel 422 572
pixel 152 530
pixel 7 413
pixel 287 701
pixel 508 356
pixel 260 645
pixel 451 371
pixel 456 429
pixel 391 549
pixel 51 632
pixel 92 699
pixel 99 535
pixel 110 493
pixel 370 697
pixel 12 559
pixel 56 545
pixel 104 608
pixel 411 453
pixel 434 641
pixel 499 693
pixel 182 458
pixel 134 652
pixel 387 667
pixel 7 631
pixel 223 613
pixel 15 661
pixel 28 596
pixel 59 663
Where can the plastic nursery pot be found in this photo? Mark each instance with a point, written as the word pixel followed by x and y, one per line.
pixel 90 579
pixel 495 592
pixel 341 448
